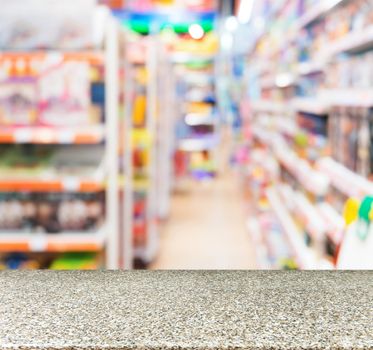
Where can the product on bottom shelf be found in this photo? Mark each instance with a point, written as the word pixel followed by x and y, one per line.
pixel 16 261
pixel 279 253
pixel 63 261
pixel 75 261
pixel 140 219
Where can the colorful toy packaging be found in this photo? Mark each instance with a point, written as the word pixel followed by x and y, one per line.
pixel 51 212
pixel 46 89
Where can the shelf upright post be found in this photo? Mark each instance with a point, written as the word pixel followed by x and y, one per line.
pixel 111 115
pixel 172 121
pixel 151 125
pixel 165 128
pixel 128 200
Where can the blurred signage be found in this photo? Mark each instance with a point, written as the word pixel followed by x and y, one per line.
pixel 114 4
pixel 172 5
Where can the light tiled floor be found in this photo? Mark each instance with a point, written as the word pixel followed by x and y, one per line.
pixel 206 229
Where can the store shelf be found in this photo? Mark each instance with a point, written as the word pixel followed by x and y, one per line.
pixel 54 57
pixel 332 79
pixel 274 9
pixel 269 106
pixel 197 78
pixel 311 180
pixel 284 127
pixel 287 127
pixel 197 144
pixel 310 67
pixel 67 169
pixel 183 57
pixel 59 242
pixel 310 105
pixel 317 11
pixel 348 97
pixel 334 221
pixel 68 184
pixel 354 41
pixel 137 185
pixel 261 250
pixel 48 72
pixel 268 83
pixel 53 135
pixel 312 219
pixel 280 81
pixel 345 180
pixel 304 255
pixel 194 119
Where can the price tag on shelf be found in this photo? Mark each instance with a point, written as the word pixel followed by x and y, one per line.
pixel 66 136
pixel 54 58
pixel 45 135
pixel 23 136
pixel 38 243
pixel 71 184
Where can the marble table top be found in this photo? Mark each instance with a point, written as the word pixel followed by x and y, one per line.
pixel 186 310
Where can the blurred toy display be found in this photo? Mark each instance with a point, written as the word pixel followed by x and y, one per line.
pixel 49 162
pixel 65 261
pixel 196 129
pixel 75 261
pixel 56 131
pixel 351 72
pixel 27 99
pixel 51 212
pixel 350 17
pixel 16 261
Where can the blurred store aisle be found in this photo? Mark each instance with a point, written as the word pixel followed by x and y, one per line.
pixel 206 229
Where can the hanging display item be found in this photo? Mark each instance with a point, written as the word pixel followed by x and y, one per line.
pixel 63 25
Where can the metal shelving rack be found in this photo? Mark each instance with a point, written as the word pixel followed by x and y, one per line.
pixel 149 135
pixel 107 237
pixel 319 218
pixel 166 138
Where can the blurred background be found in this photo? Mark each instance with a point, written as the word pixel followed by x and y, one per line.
pixel 186 134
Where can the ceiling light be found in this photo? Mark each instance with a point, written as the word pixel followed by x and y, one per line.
pixel 194 119
pixel 259 23
pixel 231 23
pixel 196 31
pixel 284 80
pixel 332 3
pixel 226 41
pixel 245 11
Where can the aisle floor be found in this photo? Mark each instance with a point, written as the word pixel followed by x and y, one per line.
pixel 206 229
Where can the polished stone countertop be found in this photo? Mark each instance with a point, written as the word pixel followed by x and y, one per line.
pixel 186 310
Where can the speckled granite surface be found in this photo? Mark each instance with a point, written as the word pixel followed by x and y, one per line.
pixel 186 310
